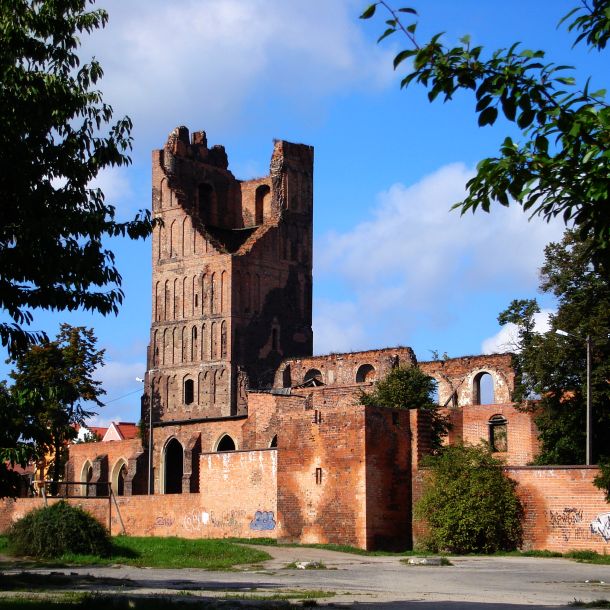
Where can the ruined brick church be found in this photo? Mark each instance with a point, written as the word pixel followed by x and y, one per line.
pixel 251 434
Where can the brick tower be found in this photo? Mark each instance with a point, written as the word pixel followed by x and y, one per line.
pixel 232 276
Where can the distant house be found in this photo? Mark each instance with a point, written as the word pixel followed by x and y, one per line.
pixel 120 431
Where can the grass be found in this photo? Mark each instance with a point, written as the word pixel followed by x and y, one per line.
pixel 88 601
pixel 169 553
pixel 282 596
pixel 598 603
pixel 588 557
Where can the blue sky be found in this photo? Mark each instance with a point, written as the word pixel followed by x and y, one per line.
pixel 392 264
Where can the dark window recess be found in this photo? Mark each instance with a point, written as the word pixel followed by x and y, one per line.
pixel 121 480
pixel 317 417
pixel 274 341
pixel 318 476
pixel 189 391
pixel 196 300
pixel 174 467
pixel 273 441
pixel 226 444
pixel 498 434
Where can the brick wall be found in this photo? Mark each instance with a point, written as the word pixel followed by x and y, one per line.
pixel 388 479
pixel 321 475
pixel 345 369
pixel 470 424
pixel 563 509
pixel 235 486
pixel 241 488
pixel 458 378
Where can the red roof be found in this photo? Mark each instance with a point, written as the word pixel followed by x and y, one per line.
pixel 126 430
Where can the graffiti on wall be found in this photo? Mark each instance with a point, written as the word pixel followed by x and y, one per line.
pixel 264 520
pixel 570 524
pixel 601 526
pixel 568 516
pixel 164 521
pixel 197 520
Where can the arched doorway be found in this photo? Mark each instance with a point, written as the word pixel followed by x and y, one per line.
pixel 119 474
pixel 174 467
pixel 85 477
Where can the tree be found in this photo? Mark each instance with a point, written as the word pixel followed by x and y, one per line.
pixel 552 367
pixel 562 165
pixel 409 388
pixel 57 135
pixel 16 442
pixel 470 506
pixel 61 373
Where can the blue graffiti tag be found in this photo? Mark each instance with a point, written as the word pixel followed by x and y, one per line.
pixel 263 520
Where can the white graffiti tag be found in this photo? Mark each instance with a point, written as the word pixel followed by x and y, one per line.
pixel 601 525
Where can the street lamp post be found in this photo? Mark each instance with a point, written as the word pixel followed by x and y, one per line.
pixel 589 414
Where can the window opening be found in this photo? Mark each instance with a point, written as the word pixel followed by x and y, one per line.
pixel 483 389
pixel 498 434
pixel 189 391
pixel 365 373
pixel 313 377
pixel 226 444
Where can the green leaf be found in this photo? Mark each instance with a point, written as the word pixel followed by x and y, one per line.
pixel 412 11
pixel 526 118
pixel 369 11
pixel 488 116
pixel 484 102
pixel 509 107
pixel 387 33
pixel 402 56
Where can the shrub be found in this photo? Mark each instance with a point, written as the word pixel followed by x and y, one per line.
pixel 57 529
pixel 468 503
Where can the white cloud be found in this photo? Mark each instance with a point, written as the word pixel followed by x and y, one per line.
pixel 506 339
pixel 181 62
pixel 337 328
pixel 409 263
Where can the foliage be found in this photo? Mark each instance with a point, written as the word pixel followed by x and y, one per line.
pixel 553 367
pixel 469 504
pixel 602 480
pixel 16 446
pixel 61 372
pixel 409 388
pixel 57 135
pixel 561 166
pixel 52 531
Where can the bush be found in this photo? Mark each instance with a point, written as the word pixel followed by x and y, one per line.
pixel 58 529
pixel 469 504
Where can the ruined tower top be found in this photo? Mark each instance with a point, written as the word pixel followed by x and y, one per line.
pixel 232 275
